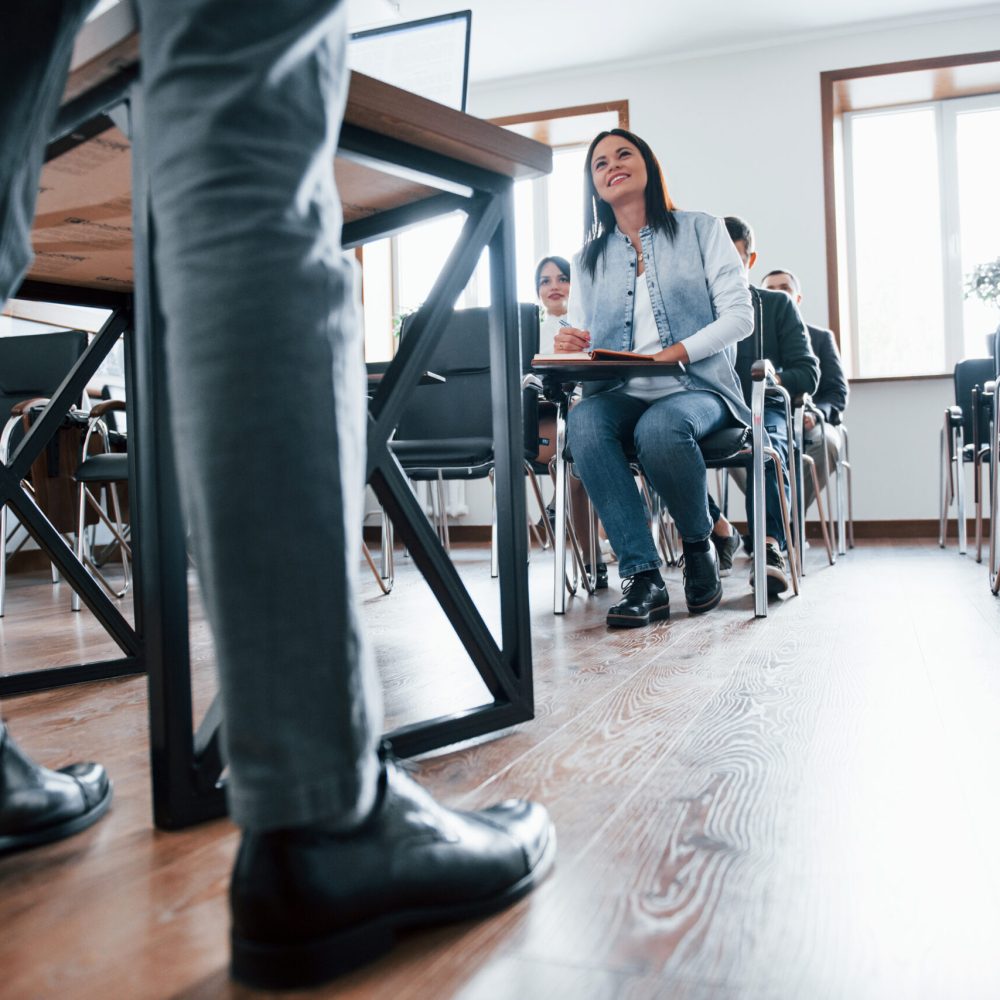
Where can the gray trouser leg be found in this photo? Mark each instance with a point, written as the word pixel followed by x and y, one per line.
pixel 243 106
pixel 36 40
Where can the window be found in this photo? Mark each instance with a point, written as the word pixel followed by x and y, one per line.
pixel 922 209
pixel 548 219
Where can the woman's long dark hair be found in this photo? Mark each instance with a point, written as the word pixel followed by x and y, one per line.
pixel 598 216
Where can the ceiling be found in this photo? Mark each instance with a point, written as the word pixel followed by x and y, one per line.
pixel 520 37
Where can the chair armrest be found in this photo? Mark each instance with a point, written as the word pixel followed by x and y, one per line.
pixel 763 370
pixel 107 406
pixel 953 416
pixel 19 409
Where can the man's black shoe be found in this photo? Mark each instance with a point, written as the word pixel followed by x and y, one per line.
pixel 600 578
pixel 38 806
pixel 725 549
pixel 776 568
pixel 702 586
pixel 643 601
pixel 308 905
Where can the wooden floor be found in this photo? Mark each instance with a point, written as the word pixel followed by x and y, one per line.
pixel 797 808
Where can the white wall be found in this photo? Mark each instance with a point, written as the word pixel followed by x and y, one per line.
pixel 740 134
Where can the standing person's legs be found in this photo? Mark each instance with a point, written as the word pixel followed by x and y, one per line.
pixel 243 106
pixel 242 116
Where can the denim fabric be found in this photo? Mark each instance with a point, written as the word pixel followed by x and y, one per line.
pixel 774 424
pixel 243 104
pixel 699 295
pixel 664 434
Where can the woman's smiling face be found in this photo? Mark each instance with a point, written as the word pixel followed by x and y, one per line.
pixel 617 169
pixel 553 289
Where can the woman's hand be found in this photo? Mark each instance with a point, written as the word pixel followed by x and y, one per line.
pixel 674 354
pixel 570 339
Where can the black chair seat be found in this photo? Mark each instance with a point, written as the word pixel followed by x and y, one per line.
pixel 104 468
pixel 730 446
pixel 456 458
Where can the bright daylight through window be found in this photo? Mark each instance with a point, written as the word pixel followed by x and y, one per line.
pixel 923 209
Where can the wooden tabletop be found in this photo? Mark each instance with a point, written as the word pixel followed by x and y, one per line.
pixel 83 226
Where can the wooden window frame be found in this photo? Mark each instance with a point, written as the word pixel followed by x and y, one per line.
pixel 933 80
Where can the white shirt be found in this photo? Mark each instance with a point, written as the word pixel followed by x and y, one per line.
pixel 547 331
pixel 646 340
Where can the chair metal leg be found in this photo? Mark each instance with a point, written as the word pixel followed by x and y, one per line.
pixel 944 471
pixel 80 536
pixel 494 544
pixel 850 486
pixel 759 527
pixel 810 462
pixel 546 530
pixel 443 513
pixel 995 497
pixel 977 481
pixel 959 463
pixel 388 570
pixel 788 523
pixel 832 551
pixel 382 585
pixel 559 573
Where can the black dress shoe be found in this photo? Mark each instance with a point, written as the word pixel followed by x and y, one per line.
pixel 308 905
pixel 38 806
pixel 643 601
pixel 702 586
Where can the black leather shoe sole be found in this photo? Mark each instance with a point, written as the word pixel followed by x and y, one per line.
pixel 707 605
pixel 58 831
pixel 311 963
pixel 637 621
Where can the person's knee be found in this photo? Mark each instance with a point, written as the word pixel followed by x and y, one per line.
pixel 588 427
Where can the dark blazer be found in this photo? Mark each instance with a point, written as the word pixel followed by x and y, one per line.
pixel 831 396
pixel 786 345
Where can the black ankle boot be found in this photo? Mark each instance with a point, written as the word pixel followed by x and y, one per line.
pixel 644 600
pixel 600 577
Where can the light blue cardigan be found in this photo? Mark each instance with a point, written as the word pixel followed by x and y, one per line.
pixel 698 288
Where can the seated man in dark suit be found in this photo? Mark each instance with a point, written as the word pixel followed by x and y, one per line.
pixel 786 346
pixel 831 396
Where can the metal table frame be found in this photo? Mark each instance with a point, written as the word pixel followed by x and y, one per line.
pixel 186 760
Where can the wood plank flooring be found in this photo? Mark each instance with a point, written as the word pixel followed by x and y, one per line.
pixel 798 808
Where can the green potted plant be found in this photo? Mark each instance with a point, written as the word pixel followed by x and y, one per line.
pixel 983 283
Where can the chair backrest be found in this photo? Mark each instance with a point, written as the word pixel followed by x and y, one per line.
pixel 36 365
pixel 463 406
pixel 968 374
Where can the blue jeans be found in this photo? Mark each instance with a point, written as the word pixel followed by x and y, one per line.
pixel 664 435
pixel 243 104
pixel 775 424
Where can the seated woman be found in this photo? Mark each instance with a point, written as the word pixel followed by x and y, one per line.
pixel 552 286
pixel 658 281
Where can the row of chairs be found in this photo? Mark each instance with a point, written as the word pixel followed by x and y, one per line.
pixel 446 433
pixel 80 480
pixel 971 436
